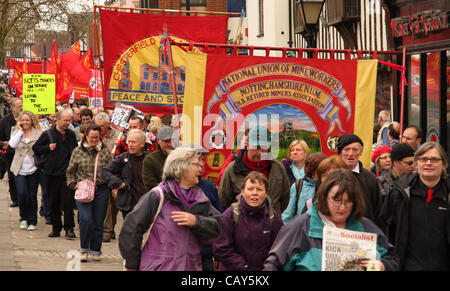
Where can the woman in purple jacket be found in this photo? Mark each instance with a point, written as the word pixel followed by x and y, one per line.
pixel 249 228
pixel 185 221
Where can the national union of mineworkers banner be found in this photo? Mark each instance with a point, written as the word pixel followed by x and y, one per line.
pixel 136 66
pixel 315 100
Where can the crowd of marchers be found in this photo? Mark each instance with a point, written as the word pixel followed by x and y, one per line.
pixel 261 214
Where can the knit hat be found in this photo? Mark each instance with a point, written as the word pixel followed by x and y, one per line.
pixel 347 139
pixel 379 151
pixel 401 151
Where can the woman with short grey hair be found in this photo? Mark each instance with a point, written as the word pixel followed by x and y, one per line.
pixel 186 219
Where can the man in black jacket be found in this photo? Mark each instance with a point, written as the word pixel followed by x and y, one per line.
pixel 60 150
pixel 350 148
pixel 416 213
pixel 7 122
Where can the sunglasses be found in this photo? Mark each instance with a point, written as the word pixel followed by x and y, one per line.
pixel 408 163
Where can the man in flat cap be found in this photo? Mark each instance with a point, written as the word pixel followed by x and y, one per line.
pixel 153 163
pixel 350 148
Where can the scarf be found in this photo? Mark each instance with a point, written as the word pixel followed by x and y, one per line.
pixel 188 199
pixel 262 166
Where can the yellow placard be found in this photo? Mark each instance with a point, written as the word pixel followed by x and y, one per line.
pixel 39 93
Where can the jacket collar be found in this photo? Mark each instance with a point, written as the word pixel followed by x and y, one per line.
pixel 316 225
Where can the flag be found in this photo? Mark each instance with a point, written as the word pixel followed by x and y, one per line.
pixel 17 68
pixel 81 73
pixel 317 100
pixel 136 69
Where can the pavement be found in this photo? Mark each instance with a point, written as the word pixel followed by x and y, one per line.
pixel 23 250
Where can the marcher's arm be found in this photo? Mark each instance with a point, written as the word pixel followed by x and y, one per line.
pixel 15 138
pixel 135 224
pixel 111 173
pixel 207 226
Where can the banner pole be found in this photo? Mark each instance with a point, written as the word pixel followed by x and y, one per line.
pixel 97 48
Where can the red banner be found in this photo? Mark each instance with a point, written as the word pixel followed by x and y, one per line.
pixel 134 63
pixel 15 71
pixel 311 99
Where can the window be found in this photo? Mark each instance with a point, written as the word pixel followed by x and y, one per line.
pixel 433 96
pixel 164 76
pixel 148 86
pixel 155 76
pixel 261 18
pixel 145 75
pixel 142 86
pixel 155 87
pixel 193 3
pixel 164 87
pixel 180 87
pixel 447 74
pixel 414 91
pixel 125 84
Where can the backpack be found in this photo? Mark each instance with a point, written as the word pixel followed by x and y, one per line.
pixel 237 211
pixel 41 159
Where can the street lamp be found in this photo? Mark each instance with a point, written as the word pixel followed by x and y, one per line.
pixel 309 11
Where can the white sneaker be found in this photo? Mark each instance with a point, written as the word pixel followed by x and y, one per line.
pixel 84 257
pixel 32 227
pixel 23 224
pixel 96 258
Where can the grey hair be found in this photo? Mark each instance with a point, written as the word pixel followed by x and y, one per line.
pixel 178 162
pixel 433 145
pixel 141 134
pixel 102 116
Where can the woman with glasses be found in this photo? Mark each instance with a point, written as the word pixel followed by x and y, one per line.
pixel 91 214
pixel 381 159
pixel 416 214
pixel 340 204
pixel 186 219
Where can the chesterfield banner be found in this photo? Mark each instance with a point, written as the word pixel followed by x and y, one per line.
pixel 136 66
pixel 316 100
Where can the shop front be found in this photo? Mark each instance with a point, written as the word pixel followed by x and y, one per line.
pixel 422 27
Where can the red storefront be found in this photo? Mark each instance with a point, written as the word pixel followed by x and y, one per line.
pixel 422 27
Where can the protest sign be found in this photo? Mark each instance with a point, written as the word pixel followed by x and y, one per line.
pixel 121 115
pixel 343 249
pixel 39 93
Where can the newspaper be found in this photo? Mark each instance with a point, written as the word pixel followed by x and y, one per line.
pixel 343 249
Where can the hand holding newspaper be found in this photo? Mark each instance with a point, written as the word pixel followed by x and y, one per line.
pixel 343 249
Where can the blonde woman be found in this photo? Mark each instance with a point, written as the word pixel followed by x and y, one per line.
pixel 26 174
pixel 154 127
pixel 295 165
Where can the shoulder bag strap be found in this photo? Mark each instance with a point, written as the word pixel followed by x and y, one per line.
pixel 147 233
pixel 95 168
pixel 298 186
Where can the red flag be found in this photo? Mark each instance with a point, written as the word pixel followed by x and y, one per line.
pixel 72 57
pixel 128 58
pixel 51 65
pixel 81 73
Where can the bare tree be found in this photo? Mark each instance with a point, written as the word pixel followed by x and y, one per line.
pixel 20 18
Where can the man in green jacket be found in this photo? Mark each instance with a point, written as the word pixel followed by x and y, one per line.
pixel 153 163
pixel 256 157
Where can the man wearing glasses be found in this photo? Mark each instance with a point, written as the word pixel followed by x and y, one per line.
pixel 416 213
pixel 402 157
